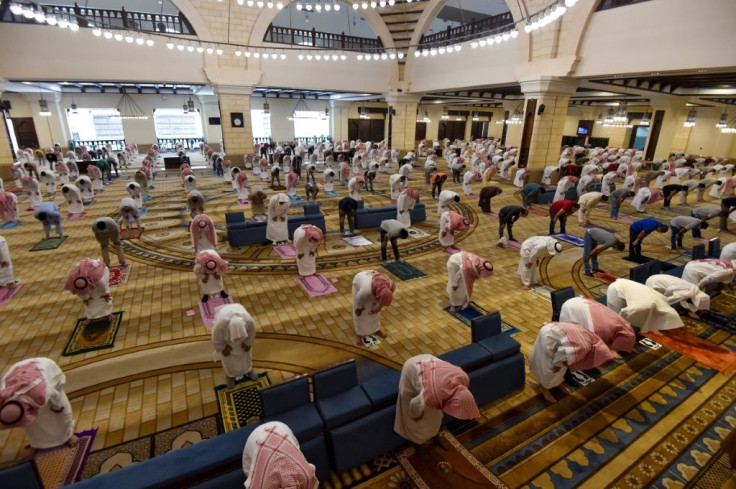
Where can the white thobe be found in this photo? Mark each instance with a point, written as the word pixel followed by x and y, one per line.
pixel 226 332
pixel 243 193
pixel 367 322
pixel 642 306
pixel 51 429
pixel 213 285
pixel 547 175
pixel 563 186
pixel 354 189
pixel 6 270
pixel 608 180
pixel 404 205
pixel 678 290
pixel 641 199
pixel 96 305
pixel 446 198
pixel 33 192
pixel 550 355
pixel 532 251
pixel 73 199
pixel 520 177
pixel 468 182
pixel 395 184
pixel 277 225
pixel 728 252
pixel 190 184
pixel 704 273
pixel 456 289
pixel 328 175
pixel 415 420
pixel 446 236
pixel 306 253
pixel 11 215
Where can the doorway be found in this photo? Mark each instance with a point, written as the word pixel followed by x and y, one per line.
pixel 639 137
pixel 25 132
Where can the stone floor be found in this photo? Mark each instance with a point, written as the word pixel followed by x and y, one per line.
pixel 160 371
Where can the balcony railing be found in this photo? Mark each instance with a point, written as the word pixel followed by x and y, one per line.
pixel 106 18
pixel 466 32
pixel 116 144
pixel 609 4
pixel 169 144
pixel 323 40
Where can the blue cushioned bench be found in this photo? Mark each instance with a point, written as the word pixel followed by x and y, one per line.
pixel 371 217
pixel 245 233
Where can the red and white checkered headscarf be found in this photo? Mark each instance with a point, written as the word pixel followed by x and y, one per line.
pixel 83 278
pixel 474 267
pixel 25 385
pixel 383 291
pixel 242 179
pixel 211 262
pixel 281 465
pixel 458 222
pixel 446 388
pixel 588 349
pixel 202 224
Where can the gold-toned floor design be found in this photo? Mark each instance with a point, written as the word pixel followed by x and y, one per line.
pixel 160 372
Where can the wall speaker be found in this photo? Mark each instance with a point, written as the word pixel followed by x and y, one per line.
pixel 541 109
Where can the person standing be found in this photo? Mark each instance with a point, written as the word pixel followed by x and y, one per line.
pixel 595 242
pixel 558 211
pixel 638 230
pixel 507 216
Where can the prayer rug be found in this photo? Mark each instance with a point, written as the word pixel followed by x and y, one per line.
pixel 569 238
pixel 605 277
pixel 713 319
pixel 278 188
pixel 316 285
pixel 403 270
pixel 241 405
pixel 147 197
pixel 63 465
pixel 332 194
pixel 286 252
pixel 92 202
pixel 625 220
pixel 119 274
pixel 431 466
pixel 207 309
pixel 491 214
pixel 369 340
pixel 7 293
pixel 452 251
pixel 538 212
pixel 295 198
pixel 143 212
pixel 97 335
pixel 146 447
pixel 11 224
pixel 638 259
pixel 49 244
pixel 243 201
pixel 473 311
pixel 417 233
pixel 131 233
pixel 542 291
pixel 699 350
pixel 74 217
pixel 357 241
pixel 513 244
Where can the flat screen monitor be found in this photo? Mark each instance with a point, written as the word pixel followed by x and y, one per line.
pixel 582 131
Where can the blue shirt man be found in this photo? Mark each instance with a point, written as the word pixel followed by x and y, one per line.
pixel 638 231
pixel 49 214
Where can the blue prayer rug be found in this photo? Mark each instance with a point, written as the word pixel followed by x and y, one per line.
pixel 11 224
pixel 475 311
pixel 569 238
pixel 332 194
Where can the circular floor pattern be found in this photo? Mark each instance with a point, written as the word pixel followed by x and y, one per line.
pixel 166 240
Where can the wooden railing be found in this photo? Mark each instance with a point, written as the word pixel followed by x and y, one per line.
pixel 324 40
pixel 466 32
pixel 107 18
pixel 609 4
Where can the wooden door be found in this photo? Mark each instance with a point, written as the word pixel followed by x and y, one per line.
pixel 526 135
pixel 654 134
pixel 25 132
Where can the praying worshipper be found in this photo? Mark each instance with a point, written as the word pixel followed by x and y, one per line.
pixel 507 216
pixel 372 291
pixel 587 203
pixel 106 231
pixel 585 183
pixel 681 225
pixel 485 196
pixel 679 291
pixel 272 460
pixel 521 177
pixel 291 181
pixel 202 233
pixel 190 183
pixel 347 208
pixel 562 346
pixel 129 214
pixel 451 223
pixel 532 250
pixel 405 204
pixel 32 190
pixel 703 185
pixel 392 230
pixel 8 207
pixel 608 183
pixel 95 175
pixel 241 180
pixel 328 176
pixel 638 230
pixel 85 188
pixel 563 185
pixel 615 331
pixel 617 198
pixel 234 172
pixel 446 198
pixel 704 214
pixel 7 278
pixel 708 271
pixel 369 175
pixel 396 184
pixel 90 281
pixel 645 196
pixel 73 198
pixel 548 172
pixel 728 205
pixel 233 336
pixel 196 203
pixel 275 178
pixel 669 191
pixel 457 165
pixel 135 193
pixel 311 190
pixel 50 215
pixel 307 238
pixel 405 170
pixel 209 268
pixel 355 185
pixel 463 269
pixel 277 227
pixel 559 211
pixel 32 397
pixel 529 194
pixel 595 242
pixel 728 252
pixel 642 306
pixel 47 178
pixel 31 169
pixel 488 174
pixel 17 174
pixel 468 179
pixel 310 173
pixel 428 388
pixel 438 179
pixel 258 205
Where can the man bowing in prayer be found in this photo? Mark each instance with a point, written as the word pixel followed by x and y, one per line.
pixel 532 250
pixel 428 388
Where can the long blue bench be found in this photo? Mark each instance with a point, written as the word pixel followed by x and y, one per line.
pixel 245 233
pixel 372 217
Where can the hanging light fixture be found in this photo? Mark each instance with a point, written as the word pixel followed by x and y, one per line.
pixel 190 105
pixel 74 107
pixel 445 114
pixel 301 106
pixel 599 120
pixel 186 108
pixel 476 116
pixel 128 109
pixel 690 121
pixel 266 108
pixel 609 117
pixel 723 121
pixel 43 108
pixel 644 119
pixel 363 113
pixel 621 115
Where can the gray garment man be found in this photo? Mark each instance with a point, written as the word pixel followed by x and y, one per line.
pixel 107 231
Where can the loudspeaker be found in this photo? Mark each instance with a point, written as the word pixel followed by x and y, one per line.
pixel 541 109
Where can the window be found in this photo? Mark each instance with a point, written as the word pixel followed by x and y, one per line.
pixel 261 123
pixel 310 123
pixel 174 123
pixel 95 125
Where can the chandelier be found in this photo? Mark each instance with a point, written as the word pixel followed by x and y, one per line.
pixel 644 119
pixel 723 121
pixel 515 117
pixel 621 115
pixel 318 6
pixel 128 109
pixel 690 121
pixel 301 106
pixel 363 114
pixel 599 120
pixel 425 119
